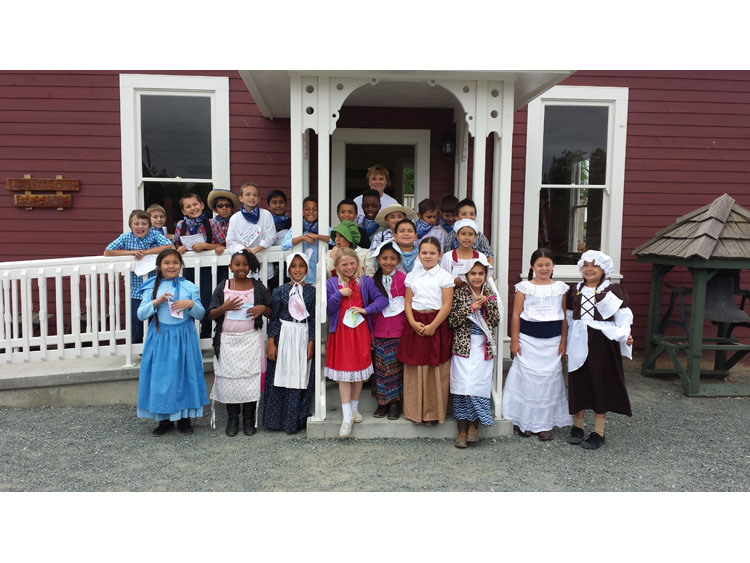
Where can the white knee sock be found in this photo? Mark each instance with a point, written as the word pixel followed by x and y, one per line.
pixel 355 406
pixel 346 409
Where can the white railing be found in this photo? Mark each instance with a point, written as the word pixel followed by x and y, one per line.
pixel 68 308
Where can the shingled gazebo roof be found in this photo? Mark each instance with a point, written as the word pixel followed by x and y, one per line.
pixel 720 230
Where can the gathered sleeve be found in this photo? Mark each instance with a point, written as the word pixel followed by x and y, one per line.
pixel 197 311
pixel 378 301
pixel 277 305
pixel 333 297
pixel 146 308
pixel 267 229
pixel 286 243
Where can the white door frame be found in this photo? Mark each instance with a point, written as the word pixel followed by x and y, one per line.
pixel 418 138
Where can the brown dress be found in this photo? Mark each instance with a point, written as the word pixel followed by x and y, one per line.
pixel 599 384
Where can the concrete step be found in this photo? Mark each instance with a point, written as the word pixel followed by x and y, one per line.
pixel 372 427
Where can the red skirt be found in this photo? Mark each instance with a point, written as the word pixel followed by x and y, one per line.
pixel 417 350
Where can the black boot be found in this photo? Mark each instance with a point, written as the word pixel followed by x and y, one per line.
pixel 248 418
pixel 233 419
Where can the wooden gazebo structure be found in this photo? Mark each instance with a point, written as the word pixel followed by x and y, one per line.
pixel 713 243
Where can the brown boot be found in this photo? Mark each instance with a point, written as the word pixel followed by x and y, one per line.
pixel 473 435
pixel 463 426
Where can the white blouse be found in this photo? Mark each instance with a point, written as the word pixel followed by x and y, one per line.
pixel 242 233
pixel 447 264
pixel 427 287
pixel 542 303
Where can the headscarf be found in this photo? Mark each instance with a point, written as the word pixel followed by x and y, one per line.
pixel 296 306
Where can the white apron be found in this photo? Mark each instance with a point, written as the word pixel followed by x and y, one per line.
pixel 292 365
pixel 472 375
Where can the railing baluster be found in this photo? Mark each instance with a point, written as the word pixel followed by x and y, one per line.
pixel 26 312
pixel 42 285
pixel 75 309
pixel 111 309
pixel 93 278
pixel 5 307
pixel 60 313
pixel 15 313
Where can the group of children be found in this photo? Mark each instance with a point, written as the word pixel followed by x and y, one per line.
pixel 409 306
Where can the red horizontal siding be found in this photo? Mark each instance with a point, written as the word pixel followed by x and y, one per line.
pixel 688 142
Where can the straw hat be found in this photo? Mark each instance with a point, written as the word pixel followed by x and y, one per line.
pixel 407 211
pixel 228 194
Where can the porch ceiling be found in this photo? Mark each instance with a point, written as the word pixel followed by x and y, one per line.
pixel 270 88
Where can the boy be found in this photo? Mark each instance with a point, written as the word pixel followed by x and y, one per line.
pixel 448 211
pixel 466 209
pixel 141 240
pixel 346 210
pixel 276 201
pixel 370 210
pixel 428 223
pixel 223 203
pixel 194 232
pixel 387 218
pixel 309 237
pixel 159 219
pixel 405 236
pixel 252 228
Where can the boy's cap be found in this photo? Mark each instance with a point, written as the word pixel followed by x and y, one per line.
pixel 228 194
pixel 407 211
pixel 349 231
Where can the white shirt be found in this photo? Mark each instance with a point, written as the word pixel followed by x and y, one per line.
pixel 385 201
pixel 242 233
pixel 447 264
pixel 542 303
pixel 427 287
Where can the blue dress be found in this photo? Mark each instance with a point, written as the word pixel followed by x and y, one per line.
pixel 171 385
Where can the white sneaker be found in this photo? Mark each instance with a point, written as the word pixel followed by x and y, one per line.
pixel 345 430
pixel 356 417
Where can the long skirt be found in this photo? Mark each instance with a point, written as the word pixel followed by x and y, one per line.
pixel 389 372
pixel 534 394
pixel 426 392
pixel 471 407
pixel 171 384
pixel 599 384
pixel 237 369
pixel 284 408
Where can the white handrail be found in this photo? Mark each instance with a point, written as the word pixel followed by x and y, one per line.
pixel 28 332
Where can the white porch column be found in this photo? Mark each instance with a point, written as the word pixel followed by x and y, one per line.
pixel 480 149
pixel 501 175
pixel 461 161
pixel 297 153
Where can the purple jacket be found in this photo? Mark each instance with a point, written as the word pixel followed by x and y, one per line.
pixel 372 299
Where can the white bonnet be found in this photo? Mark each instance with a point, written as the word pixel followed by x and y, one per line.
pixel 458 225
pixel 376 252
pixel 304 255
pixel 598 258
pixel 469 264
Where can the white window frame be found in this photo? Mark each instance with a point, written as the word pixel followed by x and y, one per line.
pixel 612 207
pixel 132 86
pixel 418 138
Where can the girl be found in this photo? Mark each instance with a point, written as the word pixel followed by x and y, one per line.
pixel 238 306
pixel 352 298
pixel 534 396
pixel 291 344
pixel 405 236
pixel 599 336
pixel 474 315
pixel 252 228
pixel 466 233
pixel 346 235
pixel 425 346
pixel 387 326
pixel 171 385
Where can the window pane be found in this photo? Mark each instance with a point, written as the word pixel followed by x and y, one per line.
pixel 168 194
pixel 575 145
pixel 176 136
pixel 570 222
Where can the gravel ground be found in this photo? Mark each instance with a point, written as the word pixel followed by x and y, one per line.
pixel 672 443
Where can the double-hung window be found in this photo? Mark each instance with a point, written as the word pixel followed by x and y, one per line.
pixel 175 140
pixel 575 168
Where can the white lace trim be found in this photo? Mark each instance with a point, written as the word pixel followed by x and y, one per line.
pixel 551 290
pixel 601 287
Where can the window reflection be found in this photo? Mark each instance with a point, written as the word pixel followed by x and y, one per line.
pixel 176 136
pixel 570 221
pixel 575 145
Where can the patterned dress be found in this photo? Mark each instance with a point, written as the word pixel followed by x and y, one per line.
pixel 283 408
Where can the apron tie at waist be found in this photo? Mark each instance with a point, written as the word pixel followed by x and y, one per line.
pixel 541 329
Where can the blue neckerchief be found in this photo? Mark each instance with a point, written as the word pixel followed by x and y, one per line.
pixel 447 226
pixel 409 259
pixel 221 221
pixel 282 221
pixel 149 284
pixel 310 226
pixel 423 227
pixel 193 225
pixel 369 225
pixel 250 216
